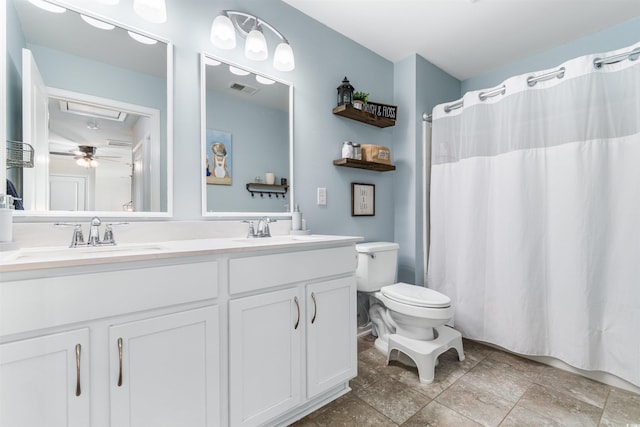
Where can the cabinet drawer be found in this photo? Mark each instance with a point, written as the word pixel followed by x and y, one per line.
pixel 32 304
pixel 259 272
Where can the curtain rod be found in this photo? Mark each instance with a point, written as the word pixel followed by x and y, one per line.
pixel 532 80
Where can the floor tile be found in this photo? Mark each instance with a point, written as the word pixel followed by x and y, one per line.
pixel 393 399
pixel 437 415
pixel 622 409
pixel 560 407
pixel 521 417
pixel 574 385
pixel 350 412
pixel 498 378
pixel 475 402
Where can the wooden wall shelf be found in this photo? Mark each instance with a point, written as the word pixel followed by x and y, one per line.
pixel 362 164
pixel 362 116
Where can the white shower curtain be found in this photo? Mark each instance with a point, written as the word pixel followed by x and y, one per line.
pixel 535 214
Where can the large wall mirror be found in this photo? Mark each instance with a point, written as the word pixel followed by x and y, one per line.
pixel 247 142
pixel 93 99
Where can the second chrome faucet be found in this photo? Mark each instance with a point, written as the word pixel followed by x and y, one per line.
pixel 261 230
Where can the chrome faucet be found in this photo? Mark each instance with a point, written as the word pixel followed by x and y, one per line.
pixel 263 227
pixel 261 230
pixel 77 239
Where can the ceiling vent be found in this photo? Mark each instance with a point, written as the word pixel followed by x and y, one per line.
pixel 118 143
pixel 89 110
pixel 249 90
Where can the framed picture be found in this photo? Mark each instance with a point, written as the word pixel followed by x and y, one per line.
pixel 218 161
pixel 363 199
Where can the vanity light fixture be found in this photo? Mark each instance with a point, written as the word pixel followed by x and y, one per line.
pixel 49 7
pixel 228 22
pixel 151 10
pixel 97 23
pixel 142 39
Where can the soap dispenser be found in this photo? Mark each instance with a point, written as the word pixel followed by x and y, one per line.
pixel 296 219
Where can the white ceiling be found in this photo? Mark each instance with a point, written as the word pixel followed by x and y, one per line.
pixel 466 38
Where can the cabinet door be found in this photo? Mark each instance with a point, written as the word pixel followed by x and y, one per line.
pixel 44 381
pixel 265 338
pixel 331 334
pixel 165 370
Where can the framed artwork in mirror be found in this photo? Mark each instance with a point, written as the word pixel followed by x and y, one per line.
pixel 218 159
pixel 363 199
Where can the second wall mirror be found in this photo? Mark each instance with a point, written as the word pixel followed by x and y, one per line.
pixel 246 142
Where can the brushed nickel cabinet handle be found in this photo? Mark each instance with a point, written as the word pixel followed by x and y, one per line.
pixel 78 353
pixel 120 362
pixel 295 299
pixel 315 307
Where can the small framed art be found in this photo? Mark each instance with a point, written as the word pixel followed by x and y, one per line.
pixel 363 199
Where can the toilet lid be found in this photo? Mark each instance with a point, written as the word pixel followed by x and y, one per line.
pixel 416 295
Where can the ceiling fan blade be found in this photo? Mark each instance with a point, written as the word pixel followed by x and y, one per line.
pixel 59 153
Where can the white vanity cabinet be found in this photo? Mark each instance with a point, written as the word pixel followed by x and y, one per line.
pixel 148 335
pixel 265 356
pixel 44 381
pixel 292 341
pixel 331 329
pixel 163 370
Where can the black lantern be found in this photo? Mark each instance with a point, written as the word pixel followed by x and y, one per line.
pixel 345 93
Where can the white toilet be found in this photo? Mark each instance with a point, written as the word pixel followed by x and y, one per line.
pixel 407 318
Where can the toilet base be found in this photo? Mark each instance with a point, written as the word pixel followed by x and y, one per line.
pixel 424 353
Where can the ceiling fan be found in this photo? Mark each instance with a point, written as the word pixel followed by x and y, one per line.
pixel 85 156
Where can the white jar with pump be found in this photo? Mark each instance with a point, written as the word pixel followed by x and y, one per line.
pixel 296 219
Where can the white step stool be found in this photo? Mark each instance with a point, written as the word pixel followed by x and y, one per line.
pixel 425 353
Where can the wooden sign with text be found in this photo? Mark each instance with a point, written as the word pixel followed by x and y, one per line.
pixel 382 110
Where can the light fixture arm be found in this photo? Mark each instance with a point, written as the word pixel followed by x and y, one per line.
pixel 249 23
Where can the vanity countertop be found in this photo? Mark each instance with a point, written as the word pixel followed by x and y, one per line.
pixel 28 259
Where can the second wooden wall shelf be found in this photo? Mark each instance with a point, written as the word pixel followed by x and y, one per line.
pixel 363 164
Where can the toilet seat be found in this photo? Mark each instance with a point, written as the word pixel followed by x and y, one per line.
pixel 417 296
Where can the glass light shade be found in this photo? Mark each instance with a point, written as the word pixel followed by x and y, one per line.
pixel 238 71
pixel 264 80
pixel 223 35
pixel 49 7
pixel 142 39
pixel 255 47
pixel 283 59
pixel 97 23
pixel 108 2
pixel 151 10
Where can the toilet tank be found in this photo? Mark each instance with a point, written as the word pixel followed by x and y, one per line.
pixel 377 265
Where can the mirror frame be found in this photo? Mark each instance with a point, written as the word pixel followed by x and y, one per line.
pixel 203 138
pixel 25 216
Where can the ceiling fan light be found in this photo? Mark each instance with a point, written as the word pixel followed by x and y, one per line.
pixel 151 10
pixel 223 35
pixel 255 47
pixel 283 58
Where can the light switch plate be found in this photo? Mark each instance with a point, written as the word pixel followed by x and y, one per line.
pixel 322 196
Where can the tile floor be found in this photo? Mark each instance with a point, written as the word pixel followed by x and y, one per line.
pixel 489 388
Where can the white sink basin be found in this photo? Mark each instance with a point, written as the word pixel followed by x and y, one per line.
pixel 45 254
